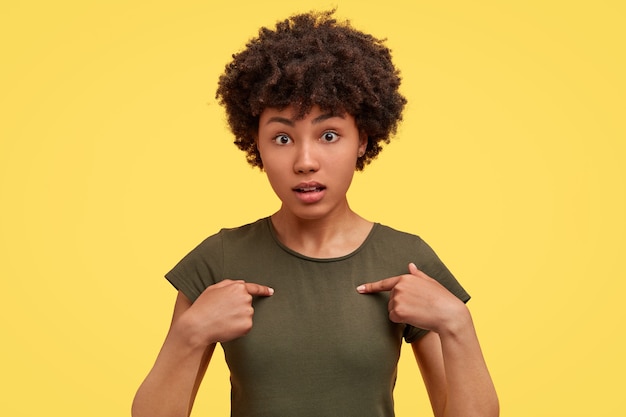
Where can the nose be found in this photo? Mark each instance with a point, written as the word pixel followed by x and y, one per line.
pixel 306 160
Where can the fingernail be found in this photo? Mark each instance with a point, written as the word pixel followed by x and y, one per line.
pixel 360 288
pixel 271 290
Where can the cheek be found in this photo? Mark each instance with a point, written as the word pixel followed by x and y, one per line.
pixel 270 161
pixel 345 161
pixel 275 162
pixel 344 168
pixel 275 174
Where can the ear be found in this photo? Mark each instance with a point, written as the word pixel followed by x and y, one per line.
pixel 362 144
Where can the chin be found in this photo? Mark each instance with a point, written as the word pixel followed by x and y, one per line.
pixel 312 212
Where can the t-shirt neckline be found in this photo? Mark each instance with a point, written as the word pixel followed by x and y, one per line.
pixel 270 226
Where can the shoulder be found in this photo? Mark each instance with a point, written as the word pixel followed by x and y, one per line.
pixel 405 241
pixel 256 227
pixel 206 264
pixel 395 238
pixel 247 232
pixel 254 233
pixel 407 247
pixel 211 250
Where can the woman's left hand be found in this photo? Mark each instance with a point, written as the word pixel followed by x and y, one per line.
pixel 418 300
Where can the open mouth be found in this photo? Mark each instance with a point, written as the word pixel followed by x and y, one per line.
pixel 310 192
pixel 309 189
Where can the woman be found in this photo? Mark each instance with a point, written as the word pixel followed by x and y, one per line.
pixel 311 304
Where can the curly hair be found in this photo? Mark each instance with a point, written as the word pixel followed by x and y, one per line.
pixel 312 60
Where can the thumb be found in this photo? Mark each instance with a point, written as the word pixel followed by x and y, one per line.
pixel 413 269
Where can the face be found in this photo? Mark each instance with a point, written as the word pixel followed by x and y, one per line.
pixel 309 162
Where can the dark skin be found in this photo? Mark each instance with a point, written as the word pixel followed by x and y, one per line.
pixel 319 152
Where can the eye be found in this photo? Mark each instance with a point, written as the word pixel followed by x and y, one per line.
pixel 282 139
pixel 330 137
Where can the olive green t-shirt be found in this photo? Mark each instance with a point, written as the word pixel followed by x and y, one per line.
pixel 317 347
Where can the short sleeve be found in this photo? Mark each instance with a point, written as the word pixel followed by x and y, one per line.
pixel 428 262
pixel 199 269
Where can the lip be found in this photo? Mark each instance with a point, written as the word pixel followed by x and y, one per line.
pixel 309 186
pixel 309 192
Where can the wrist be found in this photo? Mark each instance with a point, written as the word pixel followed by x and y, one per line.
pixel 458 321
pixel 188 335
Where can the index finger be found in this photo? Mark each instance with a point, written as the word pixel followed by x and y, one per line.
pixel 258 289
pixel 386 284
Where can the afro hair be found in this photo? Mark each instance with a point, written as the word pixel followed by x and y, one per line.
pixel 311 60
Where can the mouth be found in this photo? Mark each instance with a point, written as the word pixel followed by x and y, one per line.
pixel 311 187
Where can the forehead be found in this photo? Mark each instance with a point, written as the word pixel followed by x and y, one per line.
pixel 295 114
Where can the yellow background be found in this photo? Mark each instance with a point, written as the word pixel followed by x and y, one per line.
pixel 115 161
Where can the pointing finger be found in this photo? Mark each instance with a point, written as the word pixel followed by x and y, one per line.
pixel 224 283
pixel 257 289
pixel 386 284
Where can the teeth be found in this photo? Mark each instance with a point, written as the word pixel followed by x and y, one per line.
pixel 308 189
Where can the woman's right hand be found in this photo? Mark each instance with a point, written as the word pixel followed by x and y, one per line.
pixel 222 312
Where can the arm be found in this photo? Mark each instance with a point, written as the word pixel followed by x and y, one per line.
pixel 171 386
pixel 449 356
pixel 455 374
pixel 223 312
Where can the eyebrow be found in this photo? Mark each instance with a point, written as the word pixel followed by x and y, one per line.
pixel 291 123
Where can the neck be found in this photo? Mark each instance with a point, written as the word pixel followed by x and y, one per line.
pixel 327 237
